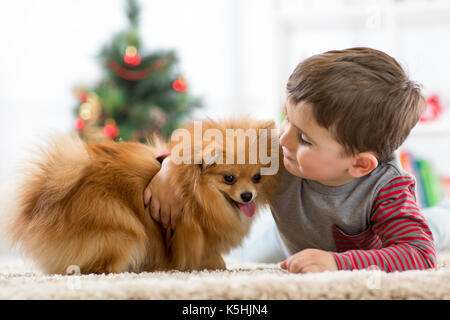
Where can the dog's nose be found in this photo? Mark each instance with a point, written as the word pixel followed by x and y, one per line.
pixel 246 196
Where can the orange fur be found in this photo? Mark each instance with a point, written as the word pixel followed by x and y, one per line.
pixel 82 204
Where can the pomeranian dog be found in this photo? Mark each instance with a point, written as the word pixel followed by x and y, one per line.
pixel 81 204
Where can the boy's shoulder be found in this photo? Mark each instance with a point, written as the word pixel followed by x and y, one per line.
pixel 389 170
pixel 390 175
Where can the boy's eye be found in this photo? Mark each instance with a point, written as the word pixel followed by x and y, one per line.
pixel 256 177
pixel 229 179
pixel 303 141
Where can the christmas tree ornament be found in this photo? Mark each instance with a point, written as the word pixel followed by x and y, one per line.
pixel 79 124
pixel 96 107
pixel 433 109
pixel 85 111
pixel 83 97
pixel 179 85
pixel 81 93
pixel 131 57
pixel 91 109
pixel 110 129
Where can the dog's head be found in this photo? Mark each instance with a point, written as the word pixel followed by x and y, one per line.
pixel 234 160
pixel 238 184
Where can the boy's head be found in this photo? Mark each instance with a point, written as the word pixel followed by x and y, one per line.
pixel 360 97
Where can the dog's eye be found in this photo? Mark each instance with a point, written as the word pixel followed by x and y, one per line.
pixel 256 177
pixel 229 179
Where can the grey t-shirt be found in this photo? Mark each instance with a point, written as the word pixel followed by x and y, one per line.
pixel 306 211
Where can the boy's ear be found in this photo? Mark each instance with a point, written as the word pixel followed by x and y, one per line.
pixel 363 164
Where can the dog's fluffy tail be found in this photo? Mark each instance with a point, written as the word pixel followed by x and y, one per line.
pixel 50 176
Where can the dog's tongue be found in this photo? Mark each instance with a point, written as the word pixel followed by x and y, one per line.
pixel 248 208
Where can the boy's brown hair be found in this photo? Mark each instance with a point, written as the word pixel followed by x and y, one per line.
pixel 361 95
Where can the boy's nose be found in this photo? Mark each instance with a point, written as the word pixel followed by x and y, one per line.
pixel 246 196
pixel 284 137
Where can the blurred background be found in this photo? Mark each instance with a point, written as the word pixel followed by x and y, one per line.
pixel 117 69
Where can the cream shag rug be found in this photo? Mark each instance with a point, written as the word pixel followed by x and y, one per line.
pixel 18 280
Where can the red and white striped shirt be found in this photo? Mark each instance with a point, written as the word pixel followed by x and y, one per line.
pixel 398 238
pixel 372 222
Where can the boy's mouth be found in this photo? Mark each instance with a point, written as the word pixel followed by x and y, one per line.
pixel 248 208
pixel 285 154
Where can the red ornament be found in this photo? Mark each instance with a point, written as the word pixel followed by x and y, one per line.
pixel 433 109
pixel 132 61
pixel 111 130
pixel 79 124
pixel 179 85
pixel 131 57
pixel 84 97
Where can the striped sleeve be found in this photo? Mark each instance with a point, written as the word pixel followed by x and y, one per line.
pixel 405 241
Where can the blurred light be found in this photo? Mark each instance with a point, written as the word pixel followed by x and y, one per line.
pixel 85 111
pixel 131 51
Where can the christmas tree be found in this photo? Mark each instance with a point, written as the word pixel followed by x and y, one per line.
pixel 139 94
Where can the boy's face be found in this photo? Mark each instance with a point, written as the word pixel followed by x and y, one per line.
pixel 309 150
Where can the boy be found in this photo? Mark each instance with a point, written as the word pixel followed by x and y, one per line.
pixel 344 202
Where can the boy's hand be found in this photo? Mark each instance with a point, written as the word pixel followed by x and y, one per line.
pixel 310 260
pixel 163 198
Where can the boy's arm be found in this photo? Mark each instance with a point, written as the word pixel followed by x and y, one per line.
pixel 164 206
pixel 402 241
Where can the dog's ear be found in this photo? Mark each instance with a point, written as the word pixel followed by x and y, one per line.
pixel 212 149
pixel 212 154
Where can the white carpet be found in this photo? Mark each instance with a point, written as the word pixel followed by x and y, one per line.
pixel 242 281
